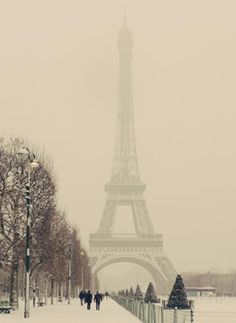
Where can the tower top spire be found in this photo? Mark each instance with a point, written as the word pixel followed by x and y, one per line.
pixel 125 36
pixel 125 166
pixel 125 13
pixel 125 21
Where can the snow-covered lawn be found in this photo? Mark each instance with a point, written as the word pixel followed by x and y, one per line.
pixel 110 312
pixel 215 310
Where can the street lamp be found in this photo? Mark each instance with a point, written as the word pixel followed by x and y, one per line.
pixel 69 273
pixel 89 275
pixel 26 155
pixel 82 268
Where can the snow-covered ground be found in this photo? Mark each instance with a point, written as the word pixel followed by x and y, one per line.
pixel 110 312
pixel 215 310
pixel 207 310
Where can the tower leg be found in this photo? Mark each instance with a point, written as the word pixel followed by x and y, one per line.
pixel 94 283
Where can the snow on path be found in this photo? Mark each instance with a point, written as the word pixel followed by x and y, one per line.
pixel 110 312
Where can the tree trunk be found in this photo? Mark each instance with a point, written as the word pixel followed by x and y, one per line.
pixel 46 291
pixel 52 290
pixel 59 292
pixel 34 293
pixel 38 294
pixel 14 281
pixel 22 273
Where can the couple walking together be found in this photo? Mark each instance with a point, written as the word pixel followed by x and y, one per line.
pixel 87 298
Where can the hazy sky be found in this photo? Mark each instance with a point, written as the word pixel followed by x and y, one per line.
pixel 58 88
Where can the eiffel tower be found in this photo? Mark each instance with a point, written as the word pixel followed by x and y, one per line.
pixel 125 188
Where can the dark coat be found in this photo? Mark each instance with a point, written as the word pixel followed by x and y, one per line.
pixel 82 294
pixel 98 298
pixel 88 298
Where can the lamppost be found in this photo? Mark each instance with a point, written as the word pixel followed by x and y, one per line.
pixel 25 154
pixel 89 275
pixel 69 273
pixel 82 268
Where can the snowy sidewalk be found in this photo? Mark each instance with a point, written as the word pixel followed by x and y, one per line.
pixel 110 312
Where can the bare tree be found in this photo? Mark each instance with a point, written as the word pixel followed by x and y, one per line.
pixel 75 261
pixel 50 235
pixel 13 209
pixel 57 251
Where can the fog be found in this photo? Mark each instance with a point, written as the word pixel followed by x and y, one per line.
pixel 58 88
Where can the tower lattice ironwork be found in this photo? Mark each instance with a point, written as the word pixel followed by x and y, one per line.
pixel 125 187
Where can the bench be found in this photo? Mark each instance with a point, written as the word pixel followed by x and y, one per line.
pixel 5 309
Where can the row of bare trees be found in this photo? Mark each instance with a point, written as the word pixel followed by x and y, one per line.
pixel 51 237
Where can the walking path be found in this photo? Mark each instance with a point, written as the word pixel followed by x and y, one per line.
pixel 110 312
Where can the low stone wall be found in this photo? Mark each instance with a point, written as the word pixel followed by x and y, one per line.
pixel 154 313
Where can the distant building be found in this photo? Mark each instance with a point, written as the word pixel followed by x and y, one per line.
pixel 200 291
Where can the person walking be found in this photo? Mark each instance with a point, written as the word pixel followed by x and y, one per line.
pixel 82 296
pixel 88 299
pixel 97 299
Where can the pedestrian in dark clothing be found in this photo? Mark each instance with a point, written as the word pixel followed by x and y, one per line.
pixel 88 299
pixel 107 295
pixel 82 296
pixel 97 299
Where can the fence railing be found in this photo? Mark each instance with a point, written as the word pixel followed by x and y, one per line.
pixel 154 313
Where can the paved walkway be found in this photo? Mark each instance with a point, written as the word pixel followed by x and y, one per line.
pixel 110 312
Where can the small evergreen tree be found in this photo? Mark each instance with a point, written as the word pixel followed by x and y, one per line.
pixel 178 297
pixel 126 293
pixel 138 294
pixel 131 292
pixel 150 295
